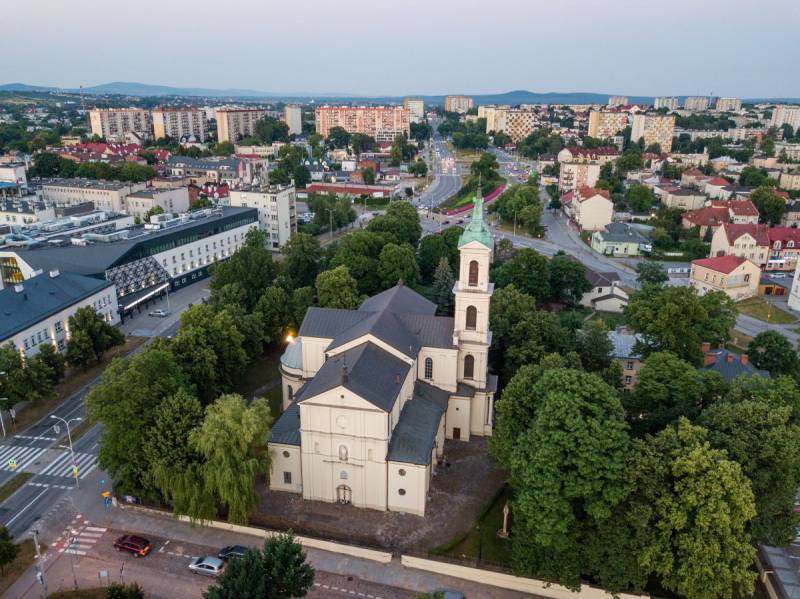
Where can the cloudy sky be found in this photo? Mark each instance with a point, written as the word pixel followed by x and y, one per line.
pixel 372 47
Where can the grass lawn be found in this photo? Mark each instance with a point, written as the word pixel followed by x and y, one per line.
pixel 759 308
pixel 100 593
pixel 739 342
pixel 19 479
pixel 482 542
pixel 611 319
pixel 23 561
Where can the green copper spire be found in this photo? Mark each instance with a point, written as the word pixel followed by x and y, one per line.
pixel 477 229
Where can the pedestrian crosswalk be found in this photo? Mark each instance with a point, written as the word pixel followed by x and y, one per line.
pixel 62 466
pixel 22 455
pixel 80 537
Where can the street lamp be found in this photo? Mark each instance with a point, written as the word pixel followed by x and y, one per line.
pixel 2 422
pixel 71 451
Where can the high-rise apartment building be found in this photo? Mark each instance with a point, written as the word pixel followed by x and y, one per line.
pixel 416 109
pixel 114 123
pixel 180 122
pixel 517 123
pixel 276 211
pixel 293 117
pixel 606 123
pixel 654 128
pixel 459 104
pixel 786 115
pixel 666 102
pixel 729 104
pixel 235 123
pixel 696 103
pixel 383 123
pixel 617 101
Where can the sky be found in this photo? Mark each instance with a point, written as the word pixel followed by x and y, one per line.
pixel 400 47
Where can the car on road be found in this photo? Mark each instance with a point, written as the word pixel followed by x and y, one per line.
pixel 208 565
pixel 778 275
pixel 139 546
pixel 460 221
pixel 159 313
pixel 230 551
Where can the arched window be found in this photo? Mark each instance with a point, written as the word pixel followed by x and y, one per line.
pixel 428 368
pixel 473 273
pixel 290 392
pixel 343 453
pixel 469 366
pixel 472 318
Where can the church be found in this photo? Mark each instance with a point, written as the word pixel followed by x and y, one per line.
pixel 370 395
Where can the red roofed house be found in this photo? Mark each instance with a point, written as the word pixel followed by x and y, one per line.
pixel 784 248
pixel 591 209
pixel 708 217
pixel 740 212
pixel 746 241
pixel 715 188
pixel 734 276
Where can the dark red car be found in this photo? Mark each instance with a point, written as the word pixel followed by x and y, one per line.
pixel 139 546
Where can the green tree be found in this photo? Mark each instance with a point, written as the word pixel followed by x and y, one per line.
pixel 752 176
pixel 432 249
pixel 338 137
pixel 152 212
pixel 769 350
pixel 270 129
pixel 770 206
pixel 87 325
pixel 8 549
pixel 336 288
pixel 521 204
pixel 251 266
pixel 360 142
pixel 302 254
pixel 275 307
pixel 401 220
pixel 359 252
pixel 52 360
pixel 398 263
pixel 130 591
pixel 594 346
pixel 224 148
pixel 278 571
pixel 640 198
pixel 368 174
pixel 45 164
pixel 302 299
pixel 232 441
pixel 528 271
pixel 651 273
pixel 418 168
pixel 443 281
pixel 567 279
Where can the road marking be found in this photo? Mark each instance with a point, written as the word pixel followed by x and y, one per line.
pixel 23 454
pixel 22 511
pixel 29 438
pixel 62 466
pixel 74 551
pixel 96 529
pixel 92 535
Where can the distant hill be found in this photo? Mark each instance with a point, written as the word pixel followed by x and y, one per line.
pixel 24 87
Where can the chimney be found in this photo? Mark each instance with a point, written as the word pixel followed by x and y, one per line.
pixel 18 288
pixel 706 347
pixel 729 358
pixel 744 359
pixel 709 359
pixel 54 273
pixel 345 377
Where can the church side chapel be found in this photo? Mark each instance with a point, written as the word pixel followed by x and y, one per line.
pixel 370 395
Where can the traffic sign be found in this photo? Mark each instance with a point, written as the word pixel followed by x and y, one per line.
pixel 74 471
pixel 12 463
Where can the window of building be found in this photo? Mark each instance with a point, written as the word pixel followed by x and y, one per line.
pixel 401 472
pixel 401 491
pixel 290 392
pixel 285 453
pixel 343 475
pixel 472 318
pixel 343 453
pixel 629 366
pixel 473 273
pixel 469 366
pixel 628 380
pixel 58 326
pixel 428 368
pixel 287 478
pixel 747 278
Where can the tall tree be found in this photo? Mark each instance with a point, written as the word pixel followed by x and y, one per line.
pixel 567 279
pixel 102 336
pixel 275 307
pixel 401 220
pixel 336 288
pixel 769 350
pixel 359 252
pixel 52 359
pixel 251 266
pixel 398 263
pixel 302 254
pixel 8 549
pixel 443 281
pixel 432 249
pixel 527 270
pixel 651 273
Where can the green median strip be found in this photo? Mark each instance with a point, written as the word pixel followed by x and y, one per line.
pixel 18 480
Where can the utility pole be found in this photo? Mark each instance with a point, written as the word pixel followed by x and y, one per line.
pixel 69 437
pixel 39 569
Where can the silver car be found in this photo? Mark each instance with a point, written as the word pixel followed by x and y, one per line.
pixel 208 565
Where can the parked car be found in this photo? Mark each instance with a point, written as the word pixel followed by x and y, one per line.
pixel 159 313
pixel 138 546
pixel 208 565
pixel 230 551
pixel 778 275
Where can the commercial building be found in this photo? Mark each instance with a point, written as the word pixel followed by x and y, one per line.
pixel 235 123
pixel 26 210
pixel 277 214
pixel 617 101
pixel 39 308
pixel 654 128
pixel 172 200
pixel 606 123
pixel 115 124
pixel 293 117
pixel 370 395
pixel 383 123
pixel 180 123
pixel 728 104
pixel 416 109
pixel 459 104
pixel 696 103
pixel 14 174
pixel 734 276
pixel 105 195
pixel 785 115
pixel 670 103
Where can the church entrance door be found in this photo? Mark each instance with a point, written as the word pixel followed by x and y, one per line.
pixel 343 494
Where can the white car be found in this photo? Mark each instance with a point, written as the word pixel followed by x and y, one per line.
pixel 159 313
pixel 208 565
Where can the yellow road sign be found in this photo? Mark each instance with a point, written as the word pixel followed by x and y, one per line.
pixel 74 471
pixel 12 463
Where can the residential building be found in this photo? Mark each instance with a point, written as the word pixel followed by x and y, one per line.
pixel 14 174
pixel 728 364
pixel 383 123
pixel 172 200
pixel 705 219
pixel 654 128
pixel 606 123
pixel 623 344
pixel 784 249
pixel 293 117
pixel 26 210
pixel 459 104
pixel 517 123
pixel 105 195
pixel 371 394
pixel 277 213
pixel 728 104
pixel 573 175
pixel 794 294
pixel 791 218
pixel 235 123
pixel 590 209
pixel 684 199
pixel 790 150
pixel 596 155
pixel 696 103
pixel 234 171
pixel 740 212
pixel 785 115
pixel 114 124
pixel 734 276
pixel 790 180
pixel 620 239
pixel 617 101
pixel 744 241
pixel 416 109
pixel 606 294
pixel 180 123
pixel 670 103
pixel 42 305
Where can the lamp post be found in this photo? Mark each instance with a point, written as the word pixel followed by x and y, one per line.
pixel 71 451
pixel 2 422
pixel 330 221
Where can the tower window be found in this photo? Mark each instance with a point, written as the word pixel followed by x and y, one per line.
pixel 290 392
pixel 472 318
pixel 343 453
pixel 428 368
pixel 469 366
pixel 473 273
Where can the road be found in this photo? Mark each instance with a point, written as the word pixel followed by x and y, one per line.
pixel 442 166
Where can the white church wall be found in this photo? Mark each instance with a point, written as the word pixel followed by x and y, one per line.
pixel 445 365
pixel 285 459
pixel 313 355
pixel 407 487
pixel 458 418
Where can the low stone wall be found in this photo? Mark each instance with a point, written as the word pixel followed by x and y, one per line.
pixel 508 581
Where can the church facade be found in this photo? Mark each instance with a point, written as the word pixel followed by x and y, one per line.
pixel 370 395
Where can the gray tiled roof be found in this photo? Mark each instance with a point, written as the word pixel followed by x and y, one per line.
pixel 621 232
pixel 399 299
pixel 387 327
pixel 327 323
pixel 414 436
pixel 730 370
pixel 431 331
pixel 372 374
pixel 623 343
pixel 286 429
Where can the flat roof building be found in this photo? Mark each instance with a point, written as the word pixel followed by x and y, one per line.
pixel 235 123
pixel 114 124
pixel 180 123
pixel 277 213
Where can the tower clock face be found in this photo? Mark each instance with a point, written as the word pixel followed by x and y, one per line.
pixel 341 422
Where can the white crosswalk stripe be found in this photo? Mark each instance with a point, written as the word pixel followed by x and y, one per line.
pixel 24 455
pixel 83 540
pixel 62 466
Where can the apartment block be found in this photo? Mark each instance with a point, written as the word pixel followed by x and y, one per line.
pixel 381 122
pixel 178 123
pixel 654 128
pixel 670 103
pixel 606 123
pixel 459 104
pixel 786 115
pixel 293 117
pixel 728 104
pixel 235 123
pixel 696 103
pixel 518 123
pixel 276 210
pixel 416 109
pixel 574 175
pixel 617 101
pixel 115 123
